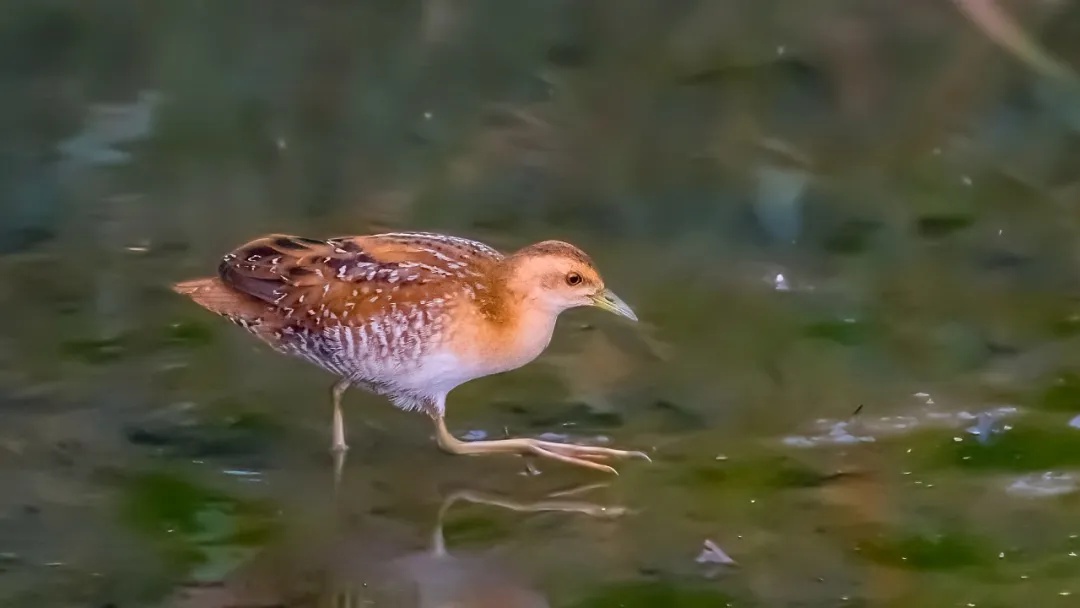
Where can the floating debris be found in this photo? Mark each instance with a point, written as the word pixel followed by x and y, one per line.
pixel 244 474
pixel 780 278
pixel 836 433
pixel 986 425
pixel 866 430
pixel 1043 485
pixel 711 553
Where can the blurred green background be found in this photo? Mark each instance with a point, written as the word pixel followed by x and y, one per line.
pixel 850 230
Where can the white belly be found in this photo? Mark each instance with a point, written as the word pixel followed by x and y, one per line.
pixel 436 373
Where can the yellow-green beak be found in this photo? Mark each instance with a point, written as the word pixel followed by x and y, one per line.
pixel 612 303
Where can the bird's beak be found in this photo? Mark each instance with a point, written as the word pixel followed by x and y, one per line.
pixel 610 302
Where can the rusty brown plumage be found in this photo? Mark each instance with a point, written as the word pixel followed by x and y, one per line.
pixel 406 315
pixel 352 278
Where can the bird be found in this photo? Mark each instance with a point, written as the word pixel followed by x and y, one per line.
pixel 411 316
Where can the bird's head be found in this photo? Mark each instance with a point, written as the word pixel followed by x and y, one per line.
pixel 557 276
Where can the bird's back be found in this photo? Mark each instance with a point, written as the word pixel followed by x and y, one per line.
pixel 374 308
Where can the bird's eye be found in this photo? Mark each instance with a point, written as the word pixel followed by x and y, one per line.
pixel 573 279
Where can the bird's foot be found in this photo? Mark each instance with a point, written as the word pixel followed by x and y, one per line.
pixel 588 456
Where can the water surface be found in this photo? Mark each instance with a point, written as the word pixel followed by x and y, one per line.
pixel 850 237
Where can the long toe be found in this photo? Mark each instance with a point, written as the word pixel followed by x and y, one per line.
pixel 577 461
pixel 591 452
pixel 587 456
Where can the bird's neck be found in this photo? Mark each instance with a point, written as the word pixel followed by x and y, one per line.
pixel 534 326
pixel 520 329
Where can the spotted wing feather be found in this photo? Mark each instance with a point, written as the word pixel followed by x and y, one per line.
pixel 347 280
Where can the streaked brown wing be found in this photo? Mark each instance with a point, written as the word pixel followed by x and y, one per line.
pixel 347 280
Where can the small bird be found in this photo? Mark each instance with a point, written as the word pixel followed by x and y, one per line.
pixel 411 316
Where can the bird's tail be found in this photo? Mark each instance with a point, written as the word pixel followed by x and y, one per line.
pixel 214 295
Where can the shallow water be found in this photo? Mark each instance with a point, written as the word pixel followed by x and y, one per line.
pixel 855 370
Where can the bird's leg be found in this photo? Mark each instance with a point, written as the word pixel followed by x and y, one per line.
pixel 580 455
pixel 338 440
pixel 338 448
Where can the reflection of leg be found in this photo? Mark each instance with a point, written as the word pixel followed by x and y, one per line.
pixel 580 455
pixel 495 500
pixel 565 506
pixel 339 465
pixel 337 443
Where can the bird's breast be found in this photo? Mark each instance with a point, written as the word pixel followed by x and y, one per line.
pixel 494 348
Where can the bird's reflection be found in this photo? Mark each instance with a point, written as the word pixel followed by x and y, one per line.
pixel 378 563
